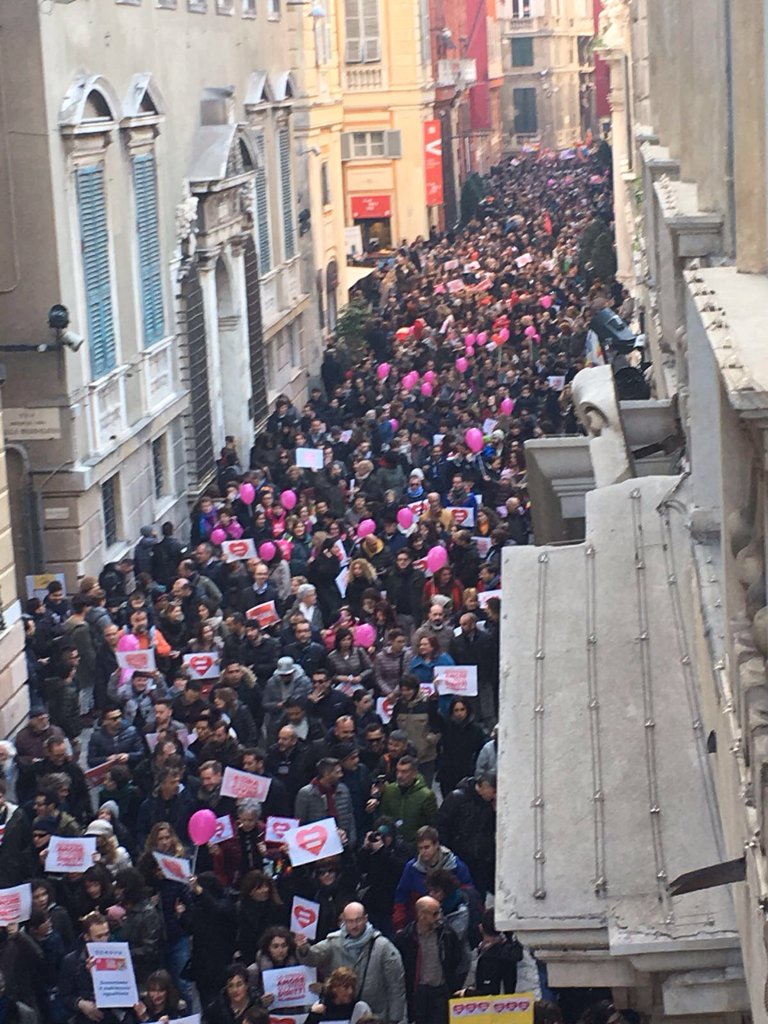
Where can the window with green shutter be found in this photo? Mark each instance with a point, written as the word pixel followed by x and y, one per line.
pixel 522 51
pixel 147 230
pixel 526 119
pixel 94 246
pixel 262 206
pixel 286 191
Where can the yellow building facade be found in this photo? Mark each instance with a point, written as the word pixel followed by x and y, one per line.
pixel 387 95
pixel 318 127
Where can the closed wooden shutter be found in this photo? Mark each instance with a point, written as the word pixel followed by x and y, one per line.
pixel 150 267
pixel 262 205
pixel 255 333
pixel 286 191
pixel 94 245
pixel 353 24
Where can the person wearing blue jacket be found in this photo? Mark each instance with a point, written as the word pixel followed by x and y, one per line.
pixel 413 881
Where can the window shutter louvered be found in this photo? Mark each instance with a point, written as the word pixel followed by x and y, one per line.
pixel 262 206
pixel 394 144
pixel 371 34
pixel 147 229
pixel 354 32
pixel 94 244
pixel 346 145
pixel 286 190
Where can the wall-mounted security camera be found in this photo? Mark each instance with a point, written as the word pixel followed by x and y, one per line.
pixel 73 341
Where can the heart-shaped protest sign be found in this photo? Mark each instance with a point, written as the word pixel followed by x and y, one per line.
pixel 304 915
pixel 201 663
pixel 312 839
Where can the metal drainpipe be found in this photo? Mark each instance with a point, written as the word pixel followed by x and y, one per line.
pixel 729 135
pixel 32 503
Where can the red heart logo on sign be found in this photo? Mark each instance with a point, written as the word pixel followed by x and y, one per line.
pixel 460 514
pixel 238 548
pixel 280 828
pixel 305 916
pixel 137 659
pixel 201 663
pixel 312 839
pixel 389 703
pixel 282 1020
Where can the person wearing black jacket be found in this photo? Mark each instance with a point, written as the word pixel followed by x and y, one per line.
pixel 261 652
pixel 76 981
pixel 381 860
pixel 431 955
pixel 16 841
pixel 405 591
pixel 210 918
pixel 166 555
pixel 466 821
pixel 493 968
pixel 472 647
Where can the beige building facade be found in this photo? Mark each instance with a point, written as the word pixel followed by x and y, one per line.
pixel 152 184
pixel 546 97
pixel 689 99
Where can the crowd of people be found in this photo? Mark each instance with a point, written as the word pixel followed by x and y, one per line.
pixel 375 520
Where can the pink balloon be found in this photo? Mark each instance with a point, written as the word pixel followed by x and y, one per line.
pixel 383 371
pixel 405 518
pixel 267 551
pixel 504 334
pixel 366 528
pixel 288 500
pixel 395 424
pixel 286 548
pixel 365 635
pixel 218 536
pixel 470 352
pixel 462 365
pixel 474 439
pixel 482 337
pixel 507 405
pixel 410 380
pixel 546 301
pixel 235 530
pixel 530 332
pixel 437 558
pixel 202 827
pixel 247 493
pixel 426 389
pixel 469 339
pixel 430 376
pixel 129 642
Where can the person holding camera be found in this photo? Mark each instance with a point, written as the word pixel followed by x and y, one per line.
pixel 381 860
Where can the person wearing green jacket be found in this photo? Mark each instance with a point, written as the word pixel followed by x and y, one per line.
pixel 408 801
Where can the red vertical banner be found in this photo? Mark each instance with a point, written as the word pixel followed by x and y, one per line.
pixel 433 162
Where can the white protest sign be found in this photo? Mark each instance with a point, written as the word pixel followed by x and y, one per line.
pixel 457 680
pixel 202 665
pixel 384 707
pixel 309 458
pixel 314 841
pixel 290 985
pixel 176 869
pixel 304 917
pixel 238 550
pixel 488 425
pixel 15 904
pixel 524 260
pixel 276 828
pixel 341 553
pixel 243 785
pixel 70 856
pixel 224 831
pixel 265 614
pixel 462 516
pixel 342 580
pixel 114 983
pixel 556 383
pixel 485 595
pixel 137 661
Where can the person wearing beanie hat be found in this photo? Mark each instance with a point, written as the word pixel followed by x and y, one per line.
pixel 142 555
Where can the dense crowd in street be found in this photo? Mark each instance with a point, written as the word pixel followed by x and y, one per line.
pixel 325 649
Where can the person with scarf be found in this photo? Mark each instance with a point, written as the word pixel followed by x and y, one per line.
pixel 373 958
pixel 413 881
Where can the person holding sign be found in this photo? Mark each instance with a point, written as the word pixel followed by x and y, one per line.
pixel 76 981
pixel 235 1000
